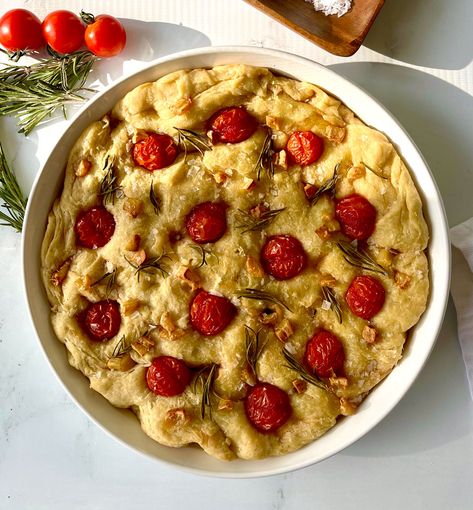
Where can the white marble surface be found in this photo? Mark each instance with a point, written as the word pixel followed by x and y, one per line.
pixel 417 60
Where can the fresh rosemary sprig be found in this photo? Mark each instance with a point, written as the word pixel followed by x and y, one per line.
pixel 155 200
pixel 109 189
pixel 33 93
pixel 11 195
pixel 108 278
pixel 253 347
pixel 293 364
pixel 265 160
pixel 248 223
pixel 359 258
pixel 151 265
pixel 327 187
pixel 329 295
pixel 121 348
pixel 205 377
pixel 374 171
pixel 203 253
pixel 260 295
pixel 187 137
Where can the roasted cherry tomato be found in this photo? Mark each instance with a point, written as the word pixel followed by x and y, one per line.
pixel 94 227
pixel 304 147
pixel 155 151
pixel 324 354
pixel 20 30
pixel 365 296
pixel 210 314
pixel 104 35
pixel 101 320
pixel 267 407
pixel 167 376
pixel 283 257
pixel 207 222
pixel 357 216
pixel 63 31
pixel 233 124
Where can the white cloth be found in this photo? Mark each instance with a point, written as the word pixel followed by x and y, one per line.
pixel 462 290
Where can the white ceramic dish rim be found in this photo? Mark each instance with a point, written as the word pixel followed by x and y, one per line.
pixel 121 424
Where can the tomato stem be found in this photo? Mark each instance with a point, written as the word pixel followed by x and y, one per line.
pixel 87 17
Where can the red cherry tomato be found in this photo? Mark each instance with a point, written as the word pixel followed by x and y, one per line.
pixel 105 36
pixel 63 31
pixel 365 296
pixel 20 30
pixel 207 222
pixel 101 320
pixel 357 216
pixel 155 152
pixel 283 257
pixel 233 124
pixel 267 407
pixel 94 227
pixel 167 376
pixel 304 147
pixel 324 354
pixel 210 314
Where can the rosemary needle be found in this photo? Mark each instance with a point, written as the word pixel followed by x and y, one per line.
pixel 10 193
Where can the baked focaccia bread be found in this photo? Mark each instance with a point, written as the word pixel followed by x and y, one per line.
pixel 236 258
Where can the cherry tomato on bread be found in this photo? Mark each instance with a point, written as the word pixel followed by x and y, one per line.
pixel 365 296
pixel 104 35
pixel 167 376
pixel 63 31
pixel 207 222
pixel 232 125
pixel 357 216
pixel 210 314
pixel 324 354
pixel 155 152
pixel 94 228
pixel 304 147
pixel 283 257
pixel 101 320
pixel 267 407
pixel 20 30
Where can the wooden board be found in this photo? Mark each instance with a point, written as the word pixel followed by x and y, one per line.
pixel 340 36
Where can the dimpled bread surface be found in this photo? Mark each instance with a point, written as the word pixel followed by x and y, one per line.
pixel 368 165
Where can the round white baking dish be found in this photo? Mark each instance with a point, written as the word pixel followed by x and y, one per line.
pixel 122 424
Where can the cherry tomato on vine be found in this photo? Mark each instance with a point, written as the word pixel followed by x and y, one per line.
pixel 63 31
pixel 20 30
pixel 104 35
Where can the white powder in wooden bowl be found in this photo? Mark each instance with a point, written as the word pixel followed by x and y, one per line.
pixel 329 7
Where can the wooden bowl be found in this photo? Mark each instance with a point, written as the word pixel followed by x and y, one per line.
pixel 340 36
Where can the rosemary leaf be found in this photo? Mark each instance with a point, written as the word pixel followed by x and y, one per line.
pixel 33 93
pixel 203 253
pixel 155 200
pixel 108 278
pixel 121 348
pixel 248 223
pixel 374 171
pixel 11 195
pixel 260 295
pixel 186 137
pixel 109 189
pixel 265 162
pixel 151 265
pixel 359 258
pixel 206 377
pixel 293 364
pixel 327 187
pixel 329 295
pixel 253 347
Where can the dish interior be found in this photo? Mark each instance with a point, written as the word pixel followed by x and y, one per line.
pixel 122 424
